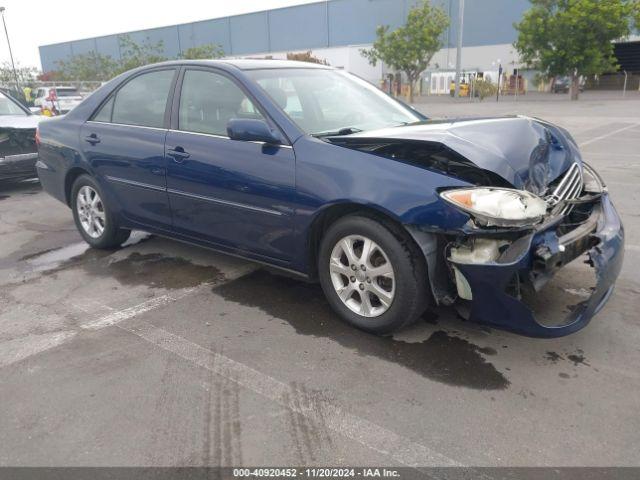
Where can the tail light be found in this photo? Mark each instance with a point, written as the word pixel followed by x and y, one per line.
pixel 37 137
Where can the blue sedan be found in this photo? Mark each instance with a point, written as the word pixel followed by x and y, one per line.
pixel 314 171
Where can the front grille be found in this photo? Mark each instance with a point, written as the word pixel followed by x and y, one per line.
pixel 569 188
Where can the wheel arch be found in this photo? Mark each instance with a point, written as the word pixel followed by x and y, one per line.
pixel 70 179
pixel 329 215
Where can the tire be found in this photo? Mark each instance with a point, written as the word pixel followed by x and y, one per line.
pixel 94 221
pixel 407 286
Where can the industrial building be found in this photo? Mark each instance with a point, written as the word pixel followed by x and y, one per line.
pixel 334 30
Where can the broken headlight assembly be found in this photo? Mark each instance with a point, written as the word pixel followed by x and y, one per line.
pixel 499 207
pixel 593 183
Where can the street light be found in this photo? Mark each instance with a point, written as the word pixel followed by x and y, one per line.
pixel 459 49
pixel 499 79
pixel 13 65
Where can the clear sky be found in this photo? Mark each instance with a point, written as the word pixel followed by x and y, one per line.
pixel 32 23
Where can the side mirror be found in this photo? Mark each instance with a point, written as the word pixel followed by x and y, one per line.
pixel 35 110
pixel 251 130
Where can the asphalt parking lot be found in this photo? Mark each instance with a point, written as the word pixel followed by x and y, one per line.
pixel 165 354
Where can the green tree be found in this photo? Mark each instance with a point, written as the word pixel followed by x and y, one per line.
pixel 572 37
pixel 97 67
pixel 134 55
pixel 410 48
pixel 26 75
pixel 203 52
pixel 50 76
pixel 484 89
pixel 87 67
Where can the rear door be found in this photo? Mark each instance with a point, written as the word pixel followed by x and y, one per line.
pixel 233 193
pixel 124 143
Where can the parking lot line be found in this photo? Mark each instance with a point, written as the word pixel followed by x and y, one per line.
pixel 21 348
pixel 606 135
pixel 18 349
pixel 152 304
pixel 321 411
pixel 160 301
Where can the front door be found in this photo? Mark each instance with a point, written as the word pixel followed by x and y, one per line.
pixel 235 194
pixel 124 143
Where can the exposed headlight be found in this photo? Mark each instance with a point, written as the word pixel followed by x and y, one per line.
pixel 501 207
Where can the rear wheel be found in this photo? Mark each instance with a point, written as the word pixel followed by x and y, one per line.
pixel 93 219
pixel 372 274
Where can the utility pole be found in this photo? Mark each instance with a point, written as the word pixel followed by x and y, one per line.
pixel 459 52
pixel 499 81
pixel 13 66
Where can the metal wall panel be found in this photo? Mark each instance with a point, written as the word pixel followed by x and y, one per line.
pixel 298 28
pixel 51 54
pixel 249 33
pixel 490 22
pixel 486 22
pixel 79 47
pixel 108 46
pixel 186 37
pixel 215 32
pixel 167 35
pixel 354 22
pixel 317 25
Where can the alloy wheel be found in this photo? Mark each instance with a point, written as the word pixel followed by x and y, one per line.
pixel 91 211
pixel 362 275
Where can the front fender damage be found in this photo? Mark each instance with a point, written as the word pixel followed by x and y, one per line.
pixel 501 281
pixel 533 260
pixel 431 245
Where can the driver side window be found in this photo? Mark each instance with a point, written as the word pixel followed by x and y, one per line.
pixel 209 100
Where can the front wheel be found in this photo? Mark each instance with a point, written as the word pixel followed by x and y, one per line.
pixel 372 274
pixel 93 219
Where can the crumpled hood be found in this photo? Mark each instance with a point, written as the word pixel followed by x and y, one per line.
pixel 529 153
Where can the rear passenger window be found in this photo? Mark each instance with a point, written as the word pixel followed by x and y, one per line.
pixel 104 114
pixel 143 100
pixel 209 100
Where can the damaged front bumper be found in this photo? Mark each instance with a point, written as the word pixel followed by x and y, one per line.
pixel 534 259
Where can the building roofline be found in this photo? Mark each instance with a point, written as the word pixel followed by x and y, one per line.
pixel 178 25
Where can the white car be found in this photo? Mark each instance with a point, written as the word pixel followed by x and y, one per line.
pixel 64 100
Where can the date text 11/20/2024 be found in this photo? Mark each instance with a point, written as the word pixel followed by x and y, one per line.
pixel 316 472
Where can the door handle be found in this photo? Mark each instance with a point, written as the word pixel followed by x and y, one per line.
pixel 92 139
pixel 178 154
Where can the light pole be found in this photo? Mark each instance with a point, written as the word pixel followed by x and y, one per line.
pixel 499 80
pixel 459 49
pixel 13 65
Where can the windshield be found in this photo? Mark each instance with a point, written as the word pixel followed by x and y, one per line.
pixel 325 102
pixel 9 107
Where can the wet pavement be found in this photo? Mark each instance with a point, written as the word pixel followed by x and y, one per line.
pixel 162 353
pixel 442 357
